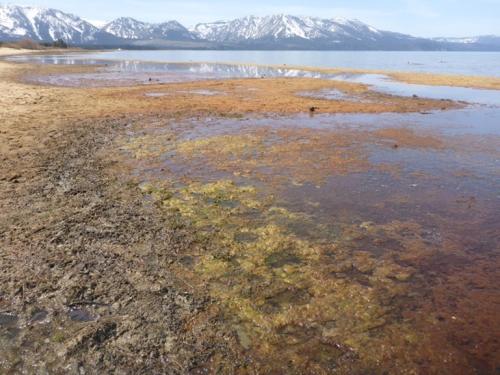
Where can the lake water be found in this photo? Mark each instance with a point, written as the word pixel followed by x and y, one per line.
pixel 467 63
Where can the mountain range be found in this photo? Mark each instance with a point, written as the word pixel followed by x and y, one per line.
pixel 268 32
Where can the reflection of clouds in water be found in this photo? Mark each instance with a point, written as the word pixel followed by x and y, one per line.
pixel 205 70
pixel 56 60
pixel 382 83
pixel 250 71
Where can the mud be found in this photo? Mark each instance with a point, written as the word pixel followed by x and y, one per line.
pixel 86 270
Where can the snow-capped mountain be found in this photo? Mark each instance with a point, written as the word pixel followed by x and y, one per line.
pixel 172 30
pixel 268 32
pixel 130 28
pixel 40 24
pixel 282 27
pixel 485 40
pixel 465 40
pixel 307 32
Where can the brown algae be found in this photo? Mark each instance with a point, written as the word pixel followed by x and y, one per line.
pixel 277 155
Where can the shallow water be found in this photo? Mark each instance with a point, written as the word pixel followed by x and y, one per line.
pixel 384 84
pixel 466 63
pixel 189 92
pixel 345 241
pixel 123 73
pixel 330 94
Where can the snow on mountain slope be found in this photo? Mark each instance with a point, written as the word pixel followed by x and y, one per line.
pixel 482 40
pixel 294 32
pixel 268 32
pixel 129 28
pixel 44 25
pixel 467 40
pixel 284 27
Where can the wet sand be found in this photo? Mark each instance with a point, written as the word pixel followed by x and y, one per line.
pixel 241 232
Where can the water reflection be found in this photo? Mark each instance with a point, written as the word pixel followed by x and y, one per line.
pixel 127 72
pixel 384 84
pixel 203 70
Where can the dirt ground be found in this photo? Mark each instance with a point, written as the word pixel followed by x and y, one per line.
pixel 85 261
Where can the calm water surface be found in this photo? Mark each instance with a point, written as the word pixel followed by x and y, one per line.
pixel 468 63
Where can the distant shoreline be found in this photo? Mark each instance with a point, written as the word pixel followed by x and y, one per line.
pixel 423 78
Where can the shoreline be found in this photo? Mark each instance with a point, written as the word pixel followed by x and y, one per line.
pixel 420 78
pixel 243 95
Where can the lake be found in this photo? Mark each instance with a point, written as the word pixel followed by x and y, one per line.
pixel 461 63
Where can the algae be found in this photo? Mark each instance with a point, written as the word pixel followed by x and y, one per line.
pixel 282 293
pixel 311 294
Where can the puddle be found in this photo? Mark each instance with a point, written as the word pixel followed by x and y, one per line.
pixel 190 92
pixel 471 121
pixel 156 94
pixel 9 330
pixel 381 83
pixel 203 92
pixel 331 94
pixel 330 247
pixel 39 316
pixel 122 73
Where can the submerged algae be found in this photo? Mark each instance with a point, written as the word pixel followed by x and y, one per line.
pixel 277 155
pixel 310 286
pixel 287 297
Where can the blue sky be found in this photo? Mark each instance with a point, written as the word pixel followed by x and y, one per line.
pixel 418 17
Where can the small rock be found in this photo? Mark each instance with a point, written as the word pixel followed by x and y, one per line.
pixel 38 316
pixel 15 178
pixel 80 315
pixel 8 319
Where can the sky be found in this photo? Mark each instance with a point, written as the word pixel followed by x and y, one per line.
pixel 426 18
